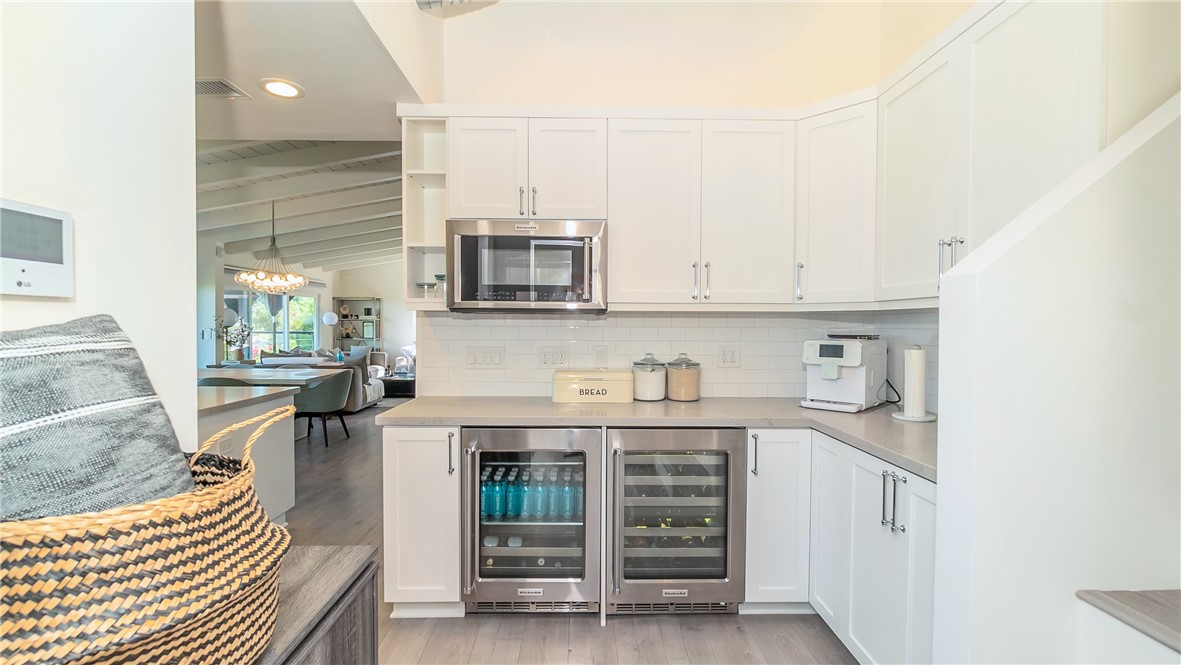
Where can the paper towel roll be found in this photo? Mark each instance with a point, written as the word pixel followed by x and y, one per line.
pixel 914 376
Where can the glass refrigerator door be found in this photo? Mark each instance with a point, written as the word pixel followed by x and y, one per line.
pixel 532 506
pixel 674 515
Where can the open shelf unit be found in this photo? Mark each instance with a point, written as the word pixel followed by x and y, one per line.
pixel 356 327
pixel 424 201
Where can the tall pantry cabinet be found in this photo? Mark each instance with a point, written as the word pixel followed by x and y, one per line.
pixel 980 131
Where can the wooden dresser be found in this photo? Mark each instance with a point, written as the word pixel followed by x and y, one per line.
pixel 327 607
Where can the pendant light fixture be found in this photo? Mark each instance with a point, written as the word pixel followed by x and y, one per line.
pixel 272 274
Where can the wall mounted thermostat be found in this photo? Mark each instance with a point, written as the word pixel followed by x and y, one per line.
pixel 36 251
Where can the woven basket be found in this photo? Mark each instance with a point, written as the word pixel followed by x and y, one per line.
pixel 191 578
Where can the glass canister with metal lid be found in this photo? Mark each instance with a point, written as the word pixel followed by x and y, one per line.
pixel 684 379
pixel 649 374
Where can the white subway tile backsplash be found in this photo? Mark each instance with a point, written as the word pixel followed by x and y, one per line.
pixel 770 346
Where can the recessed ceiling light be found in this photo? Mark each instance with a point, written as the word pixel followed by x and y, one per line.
pixel 281 88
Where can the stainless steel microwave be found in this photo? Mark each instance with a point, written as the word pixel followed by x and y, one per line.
pixel 532 265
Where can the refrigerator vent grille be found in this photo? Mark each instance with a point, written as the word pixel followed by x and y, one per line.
pixel 675 608
pixel 532 607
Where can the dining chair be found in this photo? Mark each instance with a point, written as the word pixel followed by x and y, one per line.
pixel 326 398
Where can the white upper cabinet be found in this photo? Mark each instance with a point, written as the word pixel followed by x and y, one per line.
pixel 654 211
pixel 513 168
pixel 747 211
pixel 1034 108
pixel 917 129
pixel 568 168
pixel 836 205
pixel 488 168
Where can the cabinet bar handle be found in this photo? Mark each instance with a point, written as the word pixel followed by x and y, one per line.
pixel 469 532
pixel 894 507
pixel 586 269
pixel 799 281
pixel 696 274
pixel 885 477
pixel 707 280
pixel 942 243
pixel 755 470
pixel 954 242
pixel 617 553
pixel 523 205
pixel 535 201
pixel 450 460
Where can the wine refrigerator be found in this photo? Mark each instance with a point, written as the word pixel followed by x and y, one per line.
pixel 531 516
pixel 676 521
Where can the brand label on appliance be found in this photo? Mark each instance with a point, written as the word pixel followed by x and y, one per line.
pixel 674 593
pixel 529 592
pixel 525 227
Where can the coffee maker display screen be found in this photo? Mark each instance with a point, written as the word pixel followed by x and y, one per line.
pixel 832 350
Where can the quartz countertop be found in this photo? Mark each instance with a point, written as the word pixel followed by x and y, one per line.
pixel 1157 614
pixel 216 399
pixel 910 446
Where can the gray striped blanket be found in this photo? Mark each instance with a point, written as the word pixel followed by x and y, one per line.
pixel 81 428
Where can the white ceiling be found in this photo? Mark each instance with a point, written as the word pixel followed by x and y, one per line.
pixel 337 204
pixel 350 80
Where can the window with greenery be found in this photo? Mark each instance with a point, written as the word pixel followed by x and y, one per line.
pixel 292 324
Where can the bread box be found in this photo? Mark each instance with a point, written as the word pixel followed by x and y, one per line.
pixel 592 386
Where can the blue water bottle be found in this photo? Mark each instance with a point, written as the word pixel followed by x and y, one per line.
pixel 526 498
pixel 553 511
pixel 496 512
pixel 567 498
pixel 538 497
pixel 513 491
pixel 485 494
pixel 579 497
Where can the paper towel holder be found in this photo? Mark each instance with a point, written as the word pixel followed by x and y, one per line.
pixel 913 364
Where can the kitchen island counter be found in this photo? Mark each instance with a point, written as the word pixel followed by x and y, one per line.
pixel 911 446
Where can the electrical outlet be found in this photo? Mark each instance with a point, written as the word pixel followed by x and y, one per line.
pixel 728 355
pixel 599 356
pixel 484 357
pixel 552 356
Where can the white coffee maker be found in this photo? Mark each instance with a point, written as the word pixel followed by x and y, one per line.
pixel 844 374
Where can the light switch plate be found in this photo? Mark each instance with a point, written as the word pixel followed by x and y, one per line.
pixel 484 357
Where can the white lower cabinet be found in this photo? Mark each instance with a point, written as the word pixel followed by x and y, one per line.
pixel 873 548
pixel 778 499
pixel 421 514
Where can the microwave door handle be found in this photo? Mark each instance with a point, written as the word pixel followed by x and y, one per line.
pixel 586 270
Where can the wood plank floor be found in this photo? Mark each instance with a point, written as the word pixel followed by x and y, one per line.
pixel 338 502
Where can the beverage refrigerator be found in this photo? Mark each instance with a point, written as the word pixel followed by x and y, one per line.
pixel 676 520
pixel 530 528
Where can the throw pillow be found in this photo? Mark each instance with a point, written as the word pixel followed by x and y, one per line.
pixel 360 350
pixel 81 428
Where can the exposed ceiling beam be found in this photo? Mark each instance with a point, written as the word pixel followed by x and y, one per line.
pixel 344 254
pixel 207 147
pixel 261 212
pixel 293 161
pixel 255 243
pixel 284 188
pixel 362 264
pixel 313 221
pixel 293 252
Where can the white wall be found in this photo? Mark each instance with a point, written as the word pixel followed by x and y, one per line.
pixel 770 347
pixel 1143 59
pixel 387 282
pixel 908 26
pixel 1060 377
pixel 98 121
pixel 661 53
pixel 415 40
